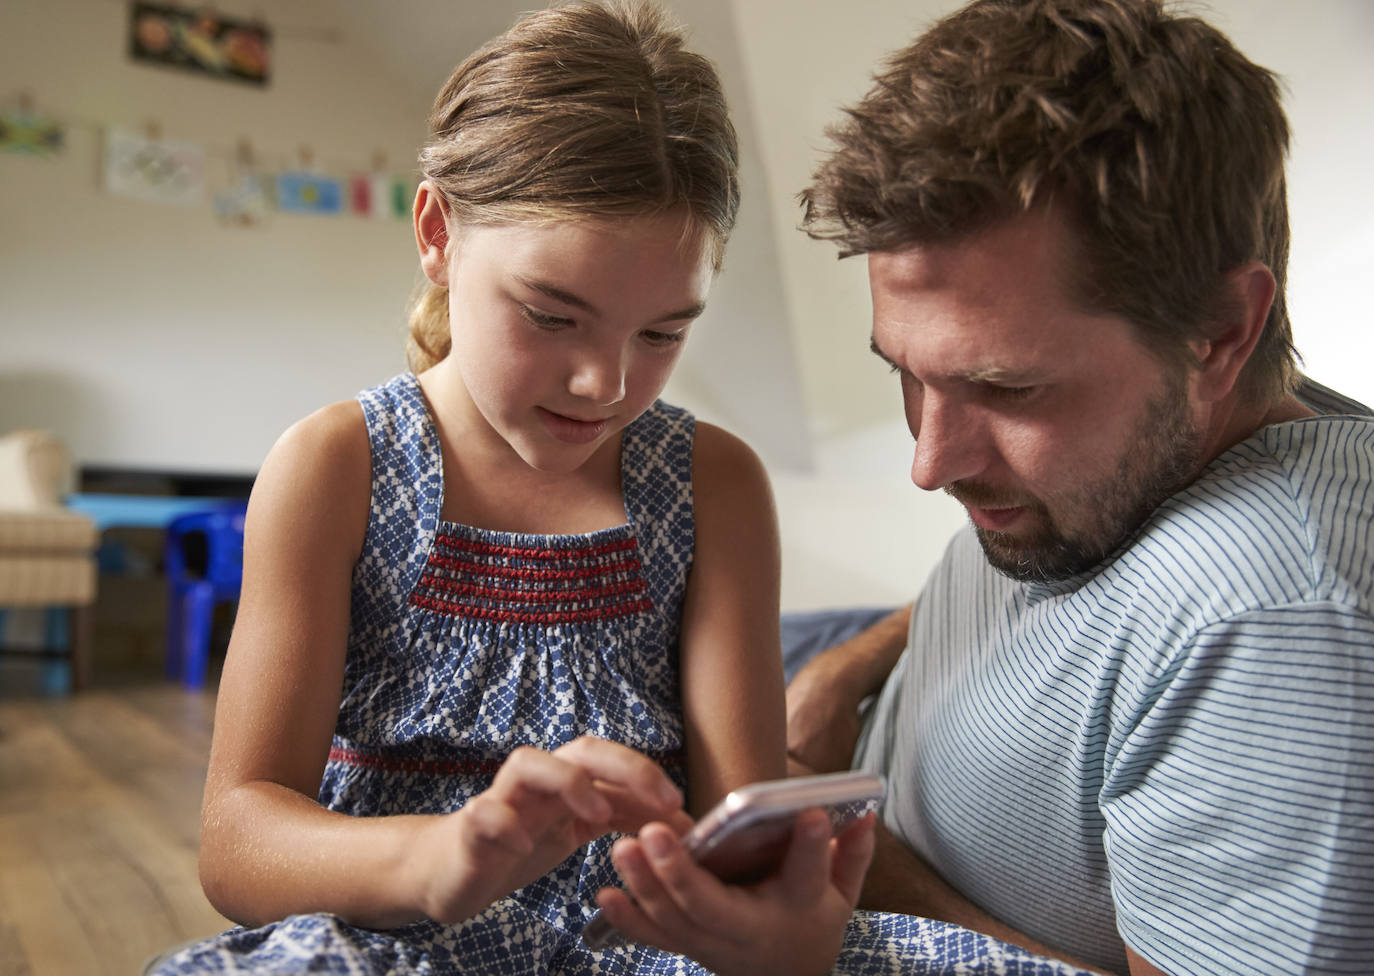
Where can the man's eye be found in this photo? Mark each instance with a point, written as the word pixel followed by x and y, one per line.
pixel 543 319
pixel 1013 392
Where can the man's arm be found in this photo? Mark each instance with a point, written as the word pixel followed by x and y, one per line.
pixel 900 881
pixel 823 698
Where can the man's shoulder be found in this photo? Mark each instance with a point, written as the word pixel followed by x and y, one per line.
pixel 1286 515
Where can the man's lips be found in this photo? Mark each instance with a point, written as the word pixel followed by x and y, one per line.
pixel 994 519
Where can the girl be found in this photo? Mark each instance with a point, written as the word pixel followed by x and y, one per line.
pixel 501 606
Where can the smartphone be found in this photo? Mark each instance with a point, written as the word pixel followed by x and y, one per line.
pixel 744 837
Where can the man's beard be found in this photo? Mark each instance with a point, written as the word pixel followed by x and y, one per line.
pixel 1161 458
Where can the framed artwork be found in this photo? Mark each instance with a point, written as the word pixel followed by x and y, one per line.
pixel 154 170
pixel 200 40
pixel 309 194
pixel 22 131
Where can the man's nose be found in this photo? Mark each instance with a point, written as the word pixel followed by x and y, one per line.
pixel 599 376
pixel 948 445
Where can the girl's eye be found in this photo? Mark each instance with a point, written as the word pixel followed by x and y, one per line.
pixel 662 338
pixel 544 320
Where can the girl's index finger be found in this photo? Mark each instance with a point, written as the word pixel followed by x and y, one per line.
pixel 618 766
pixel 530 770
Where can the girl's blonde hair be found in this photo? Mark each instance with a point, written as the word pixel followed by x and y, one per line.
pixel 585 110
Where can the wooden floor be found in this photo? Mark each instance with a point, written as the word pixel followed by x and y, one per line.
pixel 99 816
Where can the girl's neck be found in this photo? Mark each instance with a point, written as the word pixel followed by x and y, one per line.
pixel 487 485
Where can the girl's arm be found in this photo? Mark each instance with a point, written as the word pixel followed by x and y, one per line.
pixel 268 849
pixel 266 845
pixel 732 686
pixel 731 660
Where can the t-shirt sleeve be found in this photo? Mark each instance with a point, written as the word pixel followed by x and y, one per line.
pixel 1239 799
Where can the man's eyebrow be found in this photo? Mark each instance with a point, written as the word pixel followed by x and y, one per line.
pixel 576 301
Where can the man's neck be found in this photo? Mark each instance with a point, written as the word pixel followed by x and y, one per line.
pixel 1238 421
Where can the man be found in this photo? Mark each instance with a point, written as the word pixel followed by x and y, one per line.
pixel 1132 724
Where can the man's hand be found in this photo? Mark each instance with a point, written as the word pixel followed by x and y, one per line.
pixel 790 923
pixel 823 698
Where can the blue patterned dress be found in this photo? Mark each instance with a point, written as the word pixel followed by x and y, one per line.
pixel 466 643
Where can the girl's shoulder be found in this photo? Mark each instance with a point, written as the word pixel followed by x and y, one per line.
pixel 320 470
pixel 719 455
pixel 728 477
pixel 332 443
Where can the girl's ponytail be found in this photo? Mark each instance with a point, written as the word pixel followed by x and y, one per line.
pixel 429 337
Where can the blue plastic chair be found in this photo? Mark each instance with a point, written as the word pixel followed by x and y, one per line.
pixel 193 591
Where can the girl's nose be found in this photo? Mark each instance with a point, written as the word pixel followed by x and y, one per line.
pixel 600 378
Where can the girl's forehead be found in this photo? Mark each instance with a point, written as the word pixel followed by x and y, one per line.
pixel 670 235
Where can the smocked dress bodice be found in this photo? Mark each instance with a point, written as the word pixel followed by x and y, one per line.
pixel 466 643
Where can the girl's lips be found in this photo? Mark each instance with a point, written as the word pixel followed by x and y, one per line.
pixel 994 519
pixel 570 430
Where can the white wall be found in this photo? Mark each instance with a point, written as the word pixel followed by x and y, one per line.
pixel 153 336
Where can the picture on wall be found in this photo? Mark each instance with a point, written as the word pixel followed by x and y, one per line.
pixel 200 40
pixel 154 170
pixel 24 132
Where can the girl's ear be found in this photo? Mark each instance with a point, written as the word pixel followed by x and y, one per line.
pixel 431 233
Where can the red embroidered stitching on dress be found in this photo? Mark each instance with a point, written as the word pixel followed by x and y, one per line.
pixel 467 578
pixel 520 572
pixel 438 767
pixel 528 616
pixel 471 545
pixel 455 588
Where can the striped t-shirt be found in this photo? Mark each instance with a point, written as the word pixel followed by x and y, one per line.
pixel 1175 749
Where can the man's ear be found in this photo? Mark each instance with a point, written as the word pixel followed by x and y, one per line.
pixel 430 216
pixel 1249 294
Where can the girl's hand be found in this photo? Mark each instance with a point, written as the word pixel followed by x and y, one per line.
pixel 790 923
pixel 540 807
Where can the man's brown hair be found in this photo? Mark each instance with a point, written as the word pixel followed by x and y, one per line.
pixel 1160 140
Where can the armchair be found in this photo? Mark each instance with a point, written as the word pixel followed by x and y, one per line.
pixel 47 552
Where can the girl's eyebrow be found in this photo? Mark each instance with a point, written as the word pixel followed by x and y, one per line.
pixel 576 301
pixel 558 294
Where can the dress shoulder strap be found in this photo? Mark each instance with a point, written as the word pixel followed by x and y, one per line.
pixel 407 490
pixel 656 478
